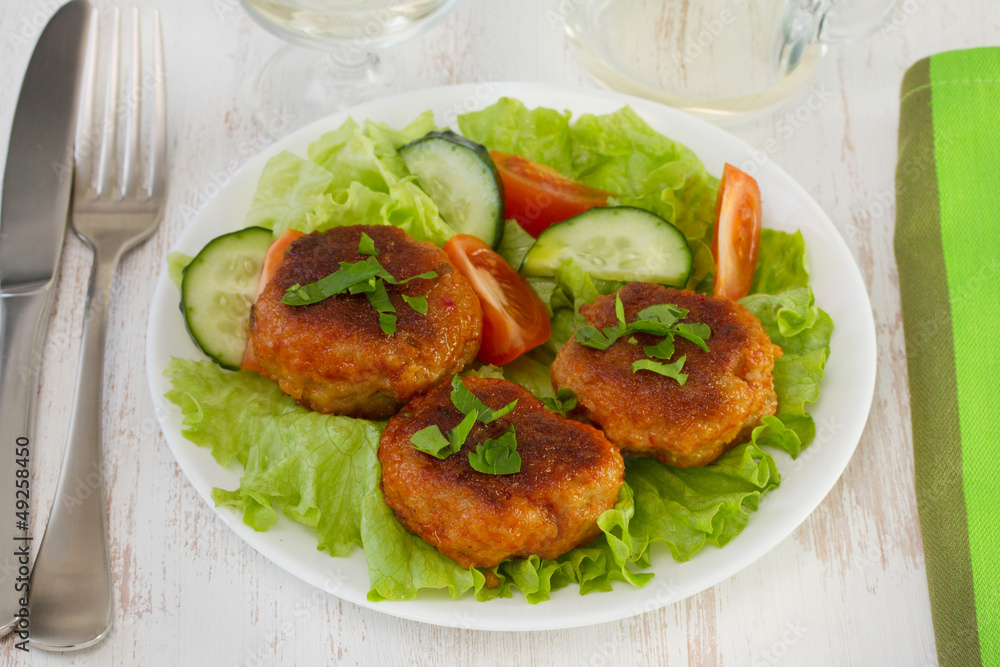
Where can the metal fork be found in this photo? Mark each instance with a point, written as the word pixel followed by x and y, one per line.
pixel 70 589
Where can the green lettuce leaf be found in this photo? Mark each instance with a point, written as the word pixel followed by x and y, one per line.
pixel 319 470
pixel 541 135
pixel 515 243
pixel 176 263
pixel 572 287
pixel 781 263
pixel 803 331
pixel 682 508
pixel 354 175
pixel 611 557
pixel 291 457
pixel 685 507
pixel 400 564
pixel 289 192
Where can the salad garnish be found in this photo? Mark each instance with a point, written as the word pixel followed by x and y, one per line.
pixel 467 403
pixel 667 370
pixel 659 320
pixel 431 441
pixel 494 456
pixel 562 402
pixel 367 277
pixel 497 456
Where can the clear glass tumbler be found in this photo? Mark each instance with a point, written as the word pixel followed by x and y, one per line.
pixel 341 64
pixel 720 59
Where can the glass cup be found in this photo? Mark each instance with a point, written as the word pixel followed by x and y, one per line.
pixel 342 64
pixel 719 59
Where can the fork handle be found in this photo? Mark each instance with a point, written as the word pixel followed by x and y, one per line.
pixel 70 603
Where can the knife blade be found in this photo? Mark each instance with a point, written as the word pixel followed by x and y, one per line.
pixel 37 187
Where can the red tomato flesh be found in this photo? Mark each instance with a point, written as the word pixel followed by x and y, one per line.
pixel 514 318
pixel 272 262
pixel 736 240
pixel 537 196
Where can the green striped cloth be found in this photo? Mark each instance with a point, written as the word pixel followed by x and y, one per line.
pixel 948 250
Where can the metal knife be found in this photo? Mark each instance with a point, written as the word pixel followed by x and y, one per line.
pixel 37 186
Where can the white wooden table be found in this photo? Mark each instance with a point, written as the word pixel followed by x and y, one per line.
pixel 847 588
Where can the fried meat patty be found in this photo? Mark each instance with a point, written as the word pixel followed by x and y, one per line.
pixel 569 475
pixel 728 389
pixel 333 357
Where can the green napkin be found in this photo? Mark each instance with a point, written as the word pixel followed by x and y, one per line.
pixel 948 250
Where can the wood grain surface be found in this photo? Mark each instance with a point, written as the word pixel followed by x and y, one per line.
pixel 847 588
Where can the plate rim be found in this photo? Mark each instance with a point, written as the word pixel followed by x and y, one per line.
pixel 731 560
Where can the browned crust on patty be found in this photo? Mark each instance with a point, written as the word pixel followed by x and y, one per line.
pixel 569 475
pixel 727 391
pixel 333 357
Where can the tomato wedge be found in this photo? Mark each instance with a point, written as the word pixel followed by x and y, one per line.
pixel 537 196
pixel 737 233
pixel 272 262
pixel 514 318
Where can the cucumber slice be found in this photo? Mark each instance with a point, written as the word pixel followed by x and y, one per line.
pixel 614 243
pixel 218 289
pixel 460 177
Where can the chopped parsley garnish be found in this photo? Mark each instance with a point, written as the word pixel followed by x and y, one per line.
pixel 367 277
pixel 494 456
pixel 662 350
pixel 417 303
pixel 467 403
pixel 658 320
pixel 564 401
pixel 497 456
pixel 366 246
pixel 668 370
pixel 431 441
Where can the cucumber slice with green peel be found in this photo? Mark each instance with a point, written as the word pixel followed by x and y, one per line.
pixel 461 179
pixel 218 290
pixel 614 243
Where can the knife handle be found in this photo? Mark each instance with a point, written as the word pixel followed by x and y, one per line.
pixel 71 593
pixel 24 318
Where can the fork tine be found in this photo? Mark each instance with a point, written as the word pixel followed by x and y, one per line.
pixel 84 152
pixel 109 130
pixel 158 160
pixel 133 103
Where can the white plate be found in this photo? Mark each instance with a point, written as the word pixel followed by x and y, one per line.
pixel 840 413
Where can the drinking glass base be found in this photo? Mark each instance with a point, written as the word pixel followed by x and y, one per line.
pixel 298 85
